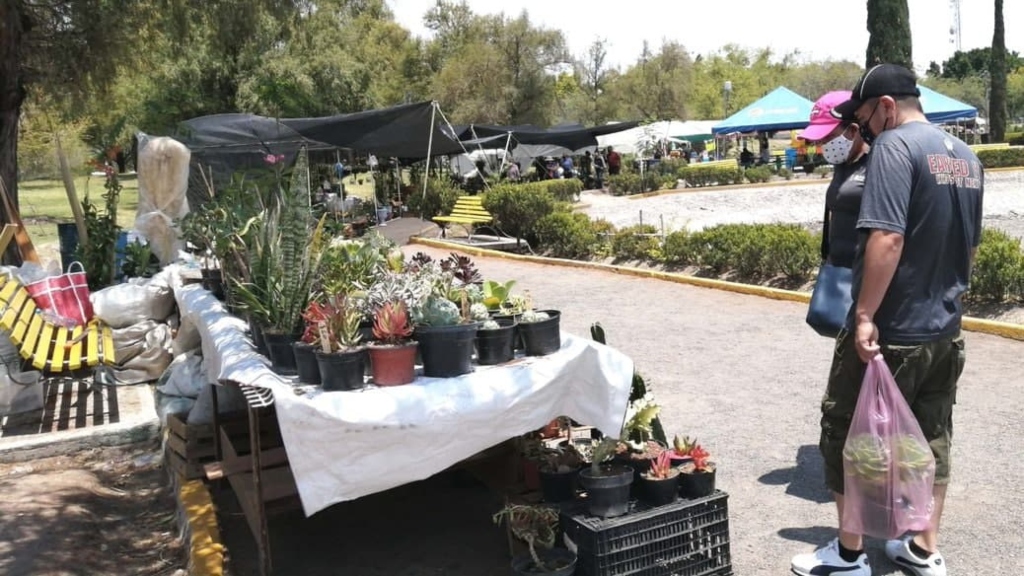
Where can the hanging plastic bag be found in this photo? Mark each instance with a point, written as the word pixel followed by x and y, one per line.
pixel 889 467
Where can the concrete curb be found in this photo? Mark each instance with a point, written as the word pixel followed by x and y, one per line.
pixel 992 327
pixel 198 519
pixel 22 449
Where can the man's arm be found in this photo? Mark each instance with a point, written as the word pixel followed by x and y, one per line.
pixel 881 257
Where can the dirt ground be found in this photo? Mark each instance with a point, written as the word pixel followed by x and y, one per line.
pixel 102 512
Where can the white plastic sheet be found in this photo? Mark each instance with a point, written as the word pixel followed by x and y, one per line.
pixel 344 445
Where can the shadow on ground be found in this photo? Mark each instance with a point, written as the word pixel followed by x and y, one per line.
pixel 107 511
pixel 804 480
pixel 439 526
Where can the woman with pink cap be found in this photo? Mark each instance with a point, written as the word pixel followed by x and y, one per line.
pixel 842 146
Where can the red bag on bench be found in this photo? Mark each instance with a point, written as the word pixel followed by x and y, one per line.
pixel 65 296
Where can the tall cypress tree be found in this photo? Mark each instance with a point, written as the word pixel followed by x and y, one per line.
pixel 889 27
pixel 997 72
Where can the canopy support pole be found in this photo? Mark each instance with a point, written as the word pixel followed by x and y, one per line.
pixel 430 149
pixel 508 142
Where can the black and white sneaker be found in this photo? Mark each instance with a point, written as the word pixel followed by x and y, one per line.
pixel 826 561
pixel 899 552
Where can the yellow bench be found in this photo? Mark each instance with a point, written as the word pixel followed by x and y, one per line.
pixel 468 211
pixel 49 347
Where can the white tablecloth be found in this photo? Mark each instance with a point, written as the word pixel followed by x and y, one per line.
pixel 344 445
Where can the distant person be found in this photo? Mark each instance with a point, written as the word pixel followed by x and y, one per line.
pixel 513 172
pixel 600 166
pixel 586 166
pixel 567 166
pixel 920 227
pixel 614 162
pixel 746 157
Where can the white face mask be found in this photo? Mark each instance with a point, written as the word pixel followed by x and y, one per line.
pixel 837 150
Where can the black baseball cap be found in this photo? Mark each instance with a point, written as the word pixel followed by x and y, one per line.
pixel 881 80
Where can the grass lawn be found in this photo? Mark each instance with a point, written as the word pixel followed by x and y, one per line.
pixel 44 204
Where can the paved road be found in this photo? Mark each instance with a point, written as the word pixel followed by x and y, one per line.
pixel 745 375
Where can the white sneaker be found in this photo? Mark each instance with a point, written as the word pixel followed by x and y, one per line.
pixel 899 552
pixel 826 561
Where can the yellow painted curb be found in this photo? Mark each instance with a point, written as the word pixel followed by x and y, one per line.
pixel 206 553
pixel 1003 329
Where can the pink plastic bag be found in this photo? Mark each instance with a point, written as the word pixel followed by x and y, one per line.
pixel 888 464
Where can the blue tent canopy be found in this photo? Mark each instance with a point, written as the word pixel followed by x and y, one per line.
pixel 780 109
pixel 941 109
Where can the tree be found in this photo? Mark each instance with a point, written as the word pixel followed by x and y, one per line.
pixel 889 29
pixel 997 68
pixel 659 85
pixel 976 62
pixel 64 47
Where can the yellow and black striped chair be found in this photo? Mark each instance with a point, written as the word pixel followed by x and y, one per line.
pixel 47 346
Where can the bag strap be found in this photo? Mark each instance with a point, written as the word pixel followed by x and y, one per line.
pixel 824 234
pixel 80 265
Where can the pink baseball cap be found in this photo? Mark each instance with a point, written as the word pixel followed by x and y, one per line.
pixel 823 119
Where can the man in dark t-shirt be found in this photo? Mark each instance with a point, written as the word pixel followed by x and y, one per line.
pixel 920 225
pixel 614 162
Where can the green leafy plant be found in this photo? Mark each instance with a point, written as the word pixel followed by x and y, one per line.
pixel 98 254
pixel 495 293
pixel 340 325
pixel 998 273
pixel 567 235
pixel 517 209
pixel 635 242
pixel 139 261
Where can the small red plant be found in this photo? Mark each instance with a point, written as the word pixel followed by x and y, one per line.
pixel 391 323
pixel 661 466
pixel 700 458
pixel 315 314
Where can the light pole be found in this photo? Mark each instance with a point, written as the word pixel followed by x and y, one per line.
pixel 726 92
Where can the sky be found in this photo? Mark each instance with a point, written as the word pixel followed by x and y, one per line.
pixel 820 30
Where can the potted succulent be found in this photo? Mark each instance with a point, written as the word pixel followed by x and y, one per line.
pixel 445 337
pixel 305 349
pixel 559 469
pixel 680 450
pixel 494 339
pixel 638 448
pixel 535 526
pixel 540 332
pixel 697 477
pixel 660 484
pixel 496 294
pixel 340 357
pixel 607 485
pixel 392 353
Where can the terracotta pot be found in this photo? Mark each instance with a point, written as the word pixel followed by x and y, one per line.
pixel 393 365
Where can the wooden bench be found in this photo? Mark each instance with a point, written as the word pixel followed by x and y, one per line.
pixel 49 347
pixel 468 211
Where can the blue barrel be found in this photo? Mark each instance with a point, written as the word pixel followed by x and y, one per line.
pixel 119 256
pixel 67 233
pixel 790 158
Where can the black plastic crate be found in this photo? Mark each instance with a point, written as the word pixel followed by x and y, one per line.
pixel 686 538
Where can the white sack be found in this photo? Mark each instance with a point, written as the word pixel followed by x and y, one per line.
pixel 135 301
pixel 184 377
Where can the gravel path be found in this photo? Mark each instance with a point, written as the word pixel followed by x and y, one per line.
pixel 795 203
pixel 745 375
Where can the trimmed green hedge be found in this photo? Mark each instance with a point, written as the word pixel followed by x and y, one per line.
pixel 998 273
pixel 568 235
pixel 700 176
pixel 439 199
pixel 517 208
pixel 629 184
pixel 1002 157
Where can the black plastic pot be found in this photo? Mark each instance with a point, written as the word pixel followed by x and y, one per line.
pixel 517 337
pixel 257 339
pixel 564 560
pixel 282 355
pixel 495 346
pixel 608 491
pixel 447 351
pixel 213 280
pixel 659 492
pixel 523 564
pixel 306 364
pixel 342 370
pixel 558 486
pixel 695 484
pixel 544 337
